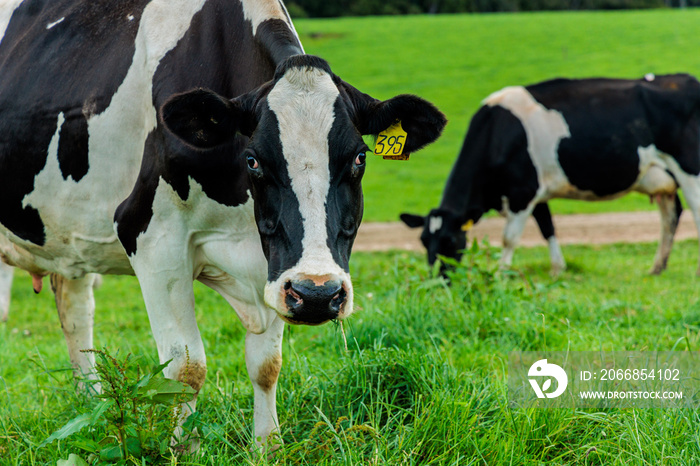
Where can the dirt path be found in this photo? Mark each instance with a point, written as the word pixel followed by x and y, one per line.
pixel 628 227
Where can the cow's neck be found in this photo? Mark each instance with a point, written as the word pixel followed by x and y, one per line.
pixel 220 57
pixel 464 194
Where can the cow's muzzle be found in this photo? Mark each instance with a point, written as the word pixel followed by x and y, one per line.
pixel 311 298
pixel 309 303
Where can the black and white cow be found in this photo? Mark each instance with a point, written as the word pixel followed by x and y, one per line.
pixel 588 139
pixel 103 171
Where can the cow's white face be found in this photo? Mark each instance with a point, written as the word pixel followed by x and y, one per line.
pixel 305 160
pixel 303 102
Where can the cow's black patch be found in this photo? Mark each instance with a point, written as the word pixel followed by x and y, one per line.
pixel 73 147
pixel 672 103
pixel 277 210
pixel 608 125
pixel 74 67
pixel 134 214
pixel 345 204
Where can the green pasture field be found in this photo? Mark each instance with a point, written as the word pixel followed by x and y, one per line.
pixel 456 61
pixel 423 381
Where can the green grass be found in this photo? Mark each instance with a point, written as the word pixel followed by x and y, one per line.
pixel 455 61
pixel 423 382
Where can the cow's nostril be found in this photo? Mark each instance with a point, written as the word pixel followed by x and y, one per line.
pixel 338 300
pixel 293 299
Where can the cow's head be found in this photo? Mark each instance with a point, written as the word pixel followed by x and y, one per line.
pixel 305 160
pixel 444 234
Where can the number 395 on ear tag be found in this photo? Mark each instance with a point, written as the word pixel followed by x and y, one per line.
pixel 391 142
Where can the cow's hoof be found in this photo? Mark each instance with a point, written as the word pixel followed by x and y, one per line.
pixel 659 267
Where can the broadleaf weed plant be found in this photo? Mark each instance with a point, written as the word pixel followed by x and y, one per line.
pixel 133 419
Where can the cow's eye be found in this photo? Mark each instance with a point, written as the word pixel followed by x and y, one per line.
pixel 360 159
pixel 252 162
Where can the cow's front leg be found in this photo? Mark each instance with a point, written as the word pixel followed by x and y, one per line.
pixel 76 311
pixel 670 209
pixel 263 356
pixel 6 273
pixel 167 290
pixel 515 224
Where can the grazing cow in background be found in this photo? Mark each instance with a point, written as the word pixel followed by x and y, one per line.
pixel 588 139
pixel 103 171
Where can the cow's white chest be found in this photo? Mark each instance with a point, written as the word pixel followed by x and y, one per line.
pixel 218 244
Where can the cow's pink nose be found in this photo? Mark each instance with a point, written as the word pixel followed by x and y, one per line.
pixel 314 304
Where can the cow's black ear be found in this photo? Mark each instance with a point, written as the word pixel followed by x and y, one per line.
pixel 412 221
pixel 204 119
pixel 421 120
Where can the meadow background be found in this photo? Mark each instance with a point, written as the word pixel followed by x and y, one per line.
pixel 423 381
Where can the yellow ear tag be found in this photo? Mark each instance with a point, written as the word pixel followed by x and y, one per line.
pixel 468 226
pixel 391 142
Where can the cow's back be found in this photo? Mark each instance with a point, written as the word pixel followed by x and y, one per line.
pixel 575 127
